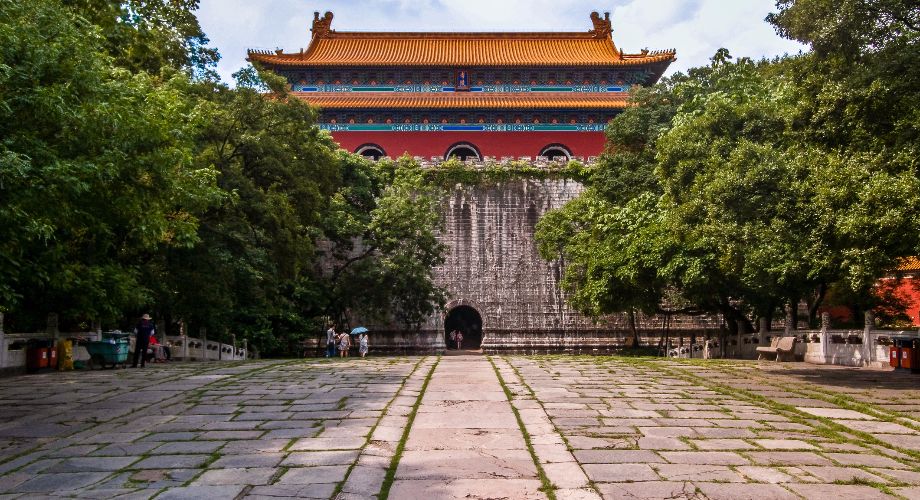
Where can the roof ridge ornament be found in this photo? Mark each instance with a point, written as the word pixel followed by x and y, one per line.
pixel 322 25
pixel 602 27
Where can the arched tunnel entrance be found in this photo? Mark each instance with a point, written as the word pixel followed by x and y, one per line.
pixel 467 321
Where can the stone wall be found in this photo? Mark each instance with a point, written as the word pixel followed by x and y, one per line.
pixel 493 266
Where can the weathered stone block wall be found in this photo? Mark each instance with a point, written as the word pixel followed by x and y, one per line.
pixel 494 266
pixel 493 263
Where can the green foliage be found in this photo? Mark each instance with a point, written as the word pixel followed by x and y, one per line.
pixel 849 28
pixel 129 185
pixel 383 270
pixel 96 167
pixel 150 35
pixel 449 173
pixel 735 188
pixel 307 232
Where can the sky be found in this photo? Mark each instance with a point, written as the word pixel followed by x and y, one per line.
pixel 696 28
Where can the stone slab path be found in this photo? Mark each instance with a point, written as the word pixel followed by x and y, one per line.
pixel 564 427
pixel 465 440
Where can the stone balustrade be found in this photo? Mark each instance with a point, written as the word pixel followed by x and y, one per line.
pixel 13 346
pixel 187 348
pixel 491 161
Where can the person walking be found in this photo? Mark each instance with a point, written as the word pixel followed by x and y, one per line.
pixel 330 341
pixel 143 331
pixel 459 339
pixel 362 344
pixel 344 344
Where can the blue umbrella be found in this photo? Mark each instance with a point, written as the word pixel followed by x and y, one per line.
pixel 359 330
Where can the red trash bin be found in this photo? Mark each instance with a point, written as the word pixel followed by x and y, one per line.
pixel 36 359
pixel 52 357
pixel 907 353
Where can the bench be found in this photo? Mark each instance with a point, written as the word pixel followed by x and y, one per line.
pixel 780 347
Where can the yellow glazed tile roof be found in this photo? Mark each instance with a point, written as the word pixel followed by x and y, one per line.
pixel 909 264
pixel 332 48
pixel 465 100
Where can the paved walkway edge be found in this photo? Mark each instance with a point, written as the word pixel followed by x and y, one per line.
pixel 369 474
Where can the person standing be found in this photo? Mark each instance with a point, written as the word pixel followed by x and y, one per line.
pixel 330 341
pixel 344 344
pixel 362 344
pixel 143 331
pixel 459 339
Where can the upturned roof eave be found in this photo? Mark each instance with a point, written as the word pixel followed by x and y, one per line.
pixel 292 60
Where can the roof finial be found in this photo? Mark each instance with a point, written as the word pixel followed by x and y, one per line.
pixel 602 27
pixel 322 25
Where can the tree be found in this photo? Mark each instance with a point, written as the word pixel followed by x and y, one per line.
pixel 151 35
pixel 717 185
pixel 96 169
pixel 306 231
pixel 855 110
pixel 853 29
pixel 391 267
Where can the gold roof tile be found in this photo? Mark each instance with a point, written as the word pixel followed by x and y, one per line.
pixel 332 48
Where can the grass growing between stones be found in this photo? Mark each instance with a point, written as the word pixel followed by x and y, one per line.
pixel 821 426
pixel 533 395
pixel 835 429
pixel 401 446
pixel 546 485
pixel 842 400
pixel 40 450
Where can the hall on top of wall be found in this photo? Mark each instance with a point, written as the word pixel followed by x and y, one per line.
pixel 471 94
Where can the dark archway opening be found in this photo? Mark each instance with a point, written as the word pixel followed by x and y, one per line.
pixel 466 320
pixel 463 151
pixel 556 152
pixel 372 151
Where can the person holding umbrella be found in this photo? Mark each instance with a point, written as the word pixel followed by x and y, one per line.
pixel 362 340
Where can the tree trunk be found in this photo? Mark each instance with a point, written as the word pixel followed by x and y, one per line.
pixel 816 302
pixel 667 330
pixel 632 328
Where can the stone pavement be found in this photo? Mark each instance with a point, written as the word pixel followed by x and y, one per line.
pixel 463 427
pixel 465 439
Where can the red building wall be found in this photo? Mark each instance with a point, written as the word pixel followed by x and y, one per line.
pixel 497 144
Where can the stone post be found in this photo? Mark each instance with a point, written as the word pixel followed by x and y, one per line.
pixel 742 331
pixel 204 342
pixel 825 334
pixel 184 336
pixel 52 325
pixel 790 320
pixel 233 342
pixel 866 351
pixel 245 348
pixel 762 330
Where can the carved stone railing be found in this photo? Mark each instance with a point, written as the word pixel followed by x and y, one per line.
pixel 13 346
pixel 183 347
pixel 492 161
